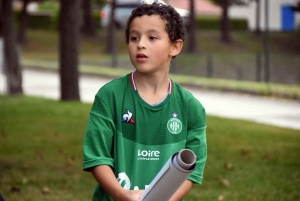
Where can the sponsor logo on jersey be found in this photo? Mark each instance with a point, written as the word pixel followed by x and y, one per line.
pixel 124 181
pixel 127 118
pixel 174 125
pixel 148 155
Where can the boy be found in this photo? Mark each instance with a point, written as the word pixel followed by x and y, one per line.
pixel 137 122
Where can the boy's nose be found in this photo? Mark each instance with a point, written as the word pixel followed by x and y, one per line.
pixel 141 44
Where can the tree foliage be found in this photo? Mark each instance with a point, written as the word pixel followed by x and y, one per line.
pixel 23 19
pixel 231 2
pixel 100 3
pixel 225 24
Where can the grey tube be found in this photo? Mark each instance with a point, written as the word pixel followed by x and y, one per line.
pixel 185 160
pixel 175 171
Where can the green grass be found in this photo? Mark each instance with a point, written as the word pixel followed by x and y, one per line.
pixel 41 155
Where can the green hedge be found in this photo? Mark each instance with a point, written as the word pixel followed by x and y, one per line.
pixel 37 21
pixel 40 21
pixel 50 21
pixel 214 24
pixel 46 20
pixel 96 17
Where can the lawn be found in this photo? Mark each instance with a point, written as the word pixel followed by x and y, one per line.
pixel 41 156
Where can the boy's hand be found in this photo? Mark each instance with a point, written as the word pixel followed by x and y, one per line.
pixel 132 195
pixel 136 194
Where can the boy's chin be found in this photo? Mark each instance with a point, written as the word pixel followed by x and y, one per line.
pixel 144 70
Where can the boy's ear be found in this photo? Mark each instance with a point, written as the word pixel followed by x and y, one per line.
pixel 176 48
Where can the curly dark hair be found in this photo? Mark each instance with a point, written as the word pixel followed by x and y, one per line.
pixel 174 25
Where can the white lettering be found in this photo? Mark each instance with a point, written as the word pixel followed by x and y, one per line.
pixel 137 188
pixel 123 178
pixel 149 153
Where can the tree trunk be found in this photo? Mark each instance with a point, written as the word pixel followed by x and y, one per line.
pixel 257 29
pixel 1 19
pixel 22 38
pixel 69 49
pixel 11 57
pixel 192 42
pixel 111 31
pixel 225 25
pixel 88 27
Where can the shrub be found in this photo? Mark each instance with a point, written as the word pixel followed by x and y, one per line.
pixel 96 17
pixel 213 23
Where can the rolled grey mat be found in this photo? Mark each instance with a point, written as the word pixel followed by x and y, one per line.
pixel 171 176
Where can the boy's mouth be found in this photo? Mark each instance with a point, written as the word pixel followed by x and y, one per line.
pixel 141 55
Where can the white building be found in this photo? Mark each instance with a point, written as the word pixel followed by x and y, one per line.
pixel 281 17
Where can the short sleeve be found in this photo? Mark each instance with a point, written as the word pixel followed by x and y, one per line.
pixel 196 138
pixel 99 136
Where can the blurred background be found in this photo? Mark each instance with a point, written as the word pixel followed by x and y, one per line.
pixel 246 46
pixel 243 40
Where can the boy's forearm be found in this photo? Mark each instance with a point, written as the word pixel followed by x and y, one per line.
pixel 182 191
pixel 106 178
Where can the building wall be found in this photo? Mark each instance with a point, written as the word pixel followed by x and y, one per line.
pixel 275 14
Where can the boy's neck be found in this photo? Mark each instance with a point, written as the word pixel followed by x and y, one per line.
pixel 152 88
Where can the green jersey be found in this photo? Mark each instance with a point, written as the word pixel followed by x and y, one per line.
pixel 136 139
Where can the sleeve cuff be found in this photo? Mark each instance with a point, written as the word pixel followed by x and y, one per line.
pixel 88 164
pixel 195 179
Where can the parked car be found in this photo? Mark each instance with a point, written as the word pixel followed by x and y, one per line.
pixel 123 11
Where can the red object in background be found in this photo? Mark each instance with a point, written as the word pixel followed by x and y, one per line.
pixel 103 14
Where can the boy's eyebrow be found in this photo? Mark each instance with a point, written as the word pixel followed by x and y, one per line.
pixel 153 30
pixel 133 31
pixel 150 31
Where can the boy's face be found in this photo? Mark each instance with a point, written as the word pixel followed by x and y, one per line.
pixel 150 48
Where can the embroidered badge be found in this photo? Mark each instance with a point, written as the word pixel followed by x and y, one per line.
pixel 174 125
pixel 127 118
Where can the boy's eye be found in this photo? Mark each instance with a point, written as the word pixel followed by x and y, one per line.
pixel 134 38
pixel 152 38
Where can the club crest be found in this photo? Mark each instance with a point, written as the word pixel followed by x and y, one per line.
pixel 174 125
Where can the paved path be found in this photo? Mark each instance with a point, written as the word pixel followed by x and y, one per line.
pixel 283 113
